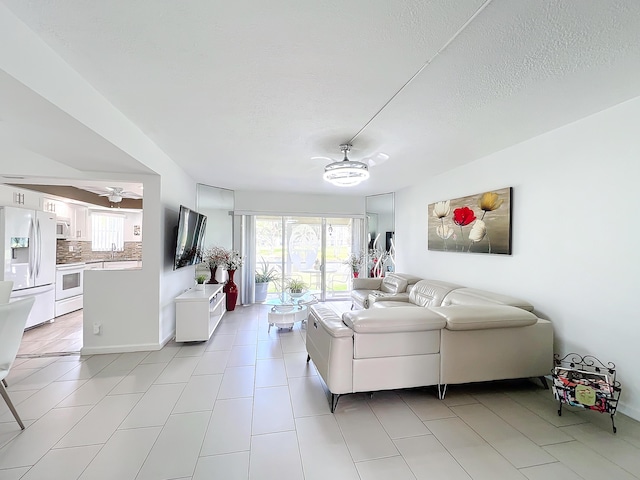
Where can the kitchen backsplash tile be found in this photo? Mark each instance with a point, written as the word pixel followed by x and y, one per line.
pixel 82 252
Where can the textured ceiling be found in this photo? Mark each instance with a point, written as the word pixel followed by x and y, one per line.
pixel 242 94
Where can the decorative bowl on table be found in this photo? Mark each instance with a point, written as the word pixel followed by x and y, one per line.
pixel 296 294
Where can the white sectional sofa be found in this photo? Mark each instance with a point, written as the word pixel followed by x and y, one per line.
pixel 443 334
pixel 396 286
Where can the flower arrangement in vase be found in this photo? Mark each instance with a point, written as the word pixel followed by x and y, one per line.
pixel 215 257
pixel 355 261
pixel 233 262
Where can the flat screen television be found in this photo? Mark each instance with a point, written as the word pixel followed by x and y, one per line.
pixel 190 237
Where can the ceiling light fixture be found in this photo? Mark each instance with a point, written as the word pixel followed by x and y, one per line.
pixel 346 173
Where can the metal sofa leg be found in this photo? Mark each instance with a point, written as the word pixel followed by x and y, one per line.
pixel 4 382
pixel 334 401
pixel 5 395
pixel 442 391
pixel 543 379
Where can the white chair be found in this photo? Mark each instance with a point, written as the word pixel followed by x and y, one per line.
pixel 13 318
pixel 5 291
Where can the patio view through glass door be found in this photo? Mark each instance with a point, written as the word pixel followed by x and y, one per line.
pixel 311 249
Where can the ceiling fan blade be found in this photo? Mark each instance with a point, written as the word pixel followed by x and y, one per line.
pixel 376 159
pixel 326 159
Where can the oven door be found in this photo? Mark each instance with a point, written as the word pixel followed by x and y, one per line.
pixel 68 282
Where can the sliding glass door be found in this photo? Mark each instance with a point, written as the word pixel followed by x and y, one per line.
pixel 311 249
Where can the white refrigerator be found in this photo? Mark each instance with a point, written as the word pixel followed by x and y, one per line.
pixel 28 240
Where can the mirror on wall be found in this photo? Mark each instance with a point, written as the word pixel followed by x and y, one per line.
pixel 216 203
pixel 380 216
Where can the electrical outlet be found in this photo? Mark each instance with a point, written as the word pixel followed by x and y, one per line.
pixel 96 328
pixel 71 248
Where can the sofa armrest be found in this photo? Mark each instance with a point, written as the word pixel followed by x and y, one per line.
pixel 401 319
pixel 482 317
pixel 366 284
pixel 329 320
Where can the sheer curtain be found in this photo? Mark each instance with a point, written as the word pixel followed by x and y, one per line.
pixel 247 250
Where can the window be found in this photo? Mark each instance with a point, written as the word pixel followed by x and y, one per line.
pixel 107 232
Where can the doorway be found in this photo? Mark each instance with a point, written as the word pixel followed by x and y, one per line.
pixel 313 250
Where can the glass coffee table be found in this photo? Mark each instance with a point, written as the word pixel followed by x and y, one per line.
pixel 286 310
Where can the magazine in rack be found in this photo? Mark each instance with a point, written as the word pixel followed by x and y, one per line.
pixel 580 388
pixel 585 382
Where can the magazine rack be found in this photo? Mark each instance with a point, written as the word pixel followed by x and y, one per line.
pixel 585 382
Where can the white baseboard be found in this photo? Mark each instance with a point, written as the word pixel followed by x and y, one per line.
pixel 629 411
pixel 168 338
pixel 143 347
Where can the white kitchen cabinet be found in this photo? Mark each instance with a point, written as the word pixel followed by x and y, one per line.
pixel 80 223
pixel 114 265
pixel 18 197
pixel 198 313
pixel 93 266
pixel 120 265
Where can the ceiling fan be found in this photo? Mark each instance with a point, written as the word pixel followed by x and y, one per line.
pixel 346 172
pixel 378 158
pixel 116 194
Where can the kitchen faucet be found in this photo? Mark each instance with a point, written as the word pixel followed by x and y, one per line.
pixel 113 251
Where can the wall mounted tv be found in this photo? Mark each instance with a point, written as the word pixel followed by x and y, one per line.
pixel 190 238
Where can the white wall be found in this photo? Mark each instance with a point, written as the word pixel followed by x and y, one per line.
pixel 297 204
pixel 131 220
pixel 575 235
pixel 135 308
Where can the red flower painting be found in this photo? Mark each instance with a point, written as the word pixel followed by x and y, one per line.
pixel 479 215
pixel 463 216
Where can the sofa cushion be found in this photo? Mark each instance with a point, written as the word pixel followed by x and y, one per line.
pixel 473 296
pixel 392 302
pixel 427 293
pixel 403 319
pixel 362 283
pixel 482 317
pixel 393 284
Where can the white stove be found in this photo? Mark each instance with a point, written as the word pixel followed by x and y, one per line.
pixel 69 279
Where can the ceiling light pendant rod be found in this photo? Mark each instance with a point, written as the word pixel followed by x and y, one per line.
pixel 426 64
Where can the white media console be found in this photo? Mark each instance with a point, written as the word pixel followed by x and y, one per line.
pixel 198 313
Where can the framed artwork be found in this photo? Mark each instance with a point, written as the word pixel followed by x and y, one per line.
pixel 479 223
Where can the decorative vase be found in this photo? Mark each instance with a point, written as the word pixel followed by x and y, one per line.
pixel 213 274
pixel 199 286
pixel 221 275
pixel 231 291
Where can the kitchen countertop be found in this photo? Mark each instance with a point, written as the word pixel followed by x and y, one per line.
pixel 99 261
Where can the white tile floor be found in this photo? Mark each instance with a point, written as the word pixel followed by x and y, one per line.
pixel 247 405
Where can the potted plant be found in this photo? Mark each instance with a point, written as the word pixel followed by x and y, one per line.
pixel 264 275
pixel 355 261
pixel 296 287
pixel 200 279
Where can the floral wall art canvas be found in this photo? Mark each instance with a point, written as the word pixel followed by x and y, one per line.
pixel 478 223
